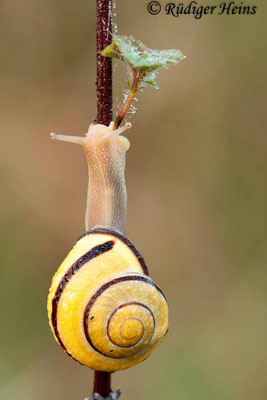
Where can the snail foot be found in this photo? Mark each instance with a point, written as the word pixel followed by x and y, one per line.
pixel 111 396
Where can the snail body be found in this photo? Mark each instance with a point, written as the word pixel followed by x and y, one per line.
pixel 103 308
pixel 105 151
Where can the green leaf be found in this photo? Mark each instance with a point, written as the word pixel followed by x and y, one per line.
pixel 110 51
pixel 150 80
pixel 151 83
pixel 140 57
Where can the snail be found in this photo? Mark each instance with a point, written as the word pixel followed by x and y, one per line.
pixel 104 309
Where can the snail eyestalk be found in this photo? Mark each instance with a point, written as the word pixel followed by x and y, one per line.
pixel 66 138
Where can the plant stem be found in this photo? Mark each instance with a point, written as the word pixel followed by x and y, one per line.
pixel 104 64
pixel 102 380
pixel 133 90
pixel 102 383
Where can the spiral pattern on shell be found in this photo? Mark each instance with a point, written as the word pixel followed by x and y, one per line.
pixel 104 310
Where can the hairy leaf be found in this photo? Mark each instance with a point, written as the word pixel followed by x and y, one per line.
pixel 140 57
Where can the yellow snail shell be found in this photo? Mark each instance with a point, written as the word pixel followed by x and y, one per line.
pixel 104 310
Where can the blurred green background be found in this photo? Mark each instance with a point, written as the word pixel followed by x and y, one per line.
pixel 196 178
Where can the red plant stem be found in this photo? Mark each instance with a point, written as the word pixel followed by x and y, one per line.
pixel 104 64
pixel 130 98
pixel 102 380
pixel 102 383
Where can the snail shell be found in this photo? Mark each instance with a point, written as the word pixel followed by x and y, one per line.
pixel 104 310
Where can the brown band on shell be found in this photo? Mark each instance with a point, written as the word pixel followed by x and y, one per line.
pixel 100 291
pixel 84 259
pixel 136 303
pixel 125 240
